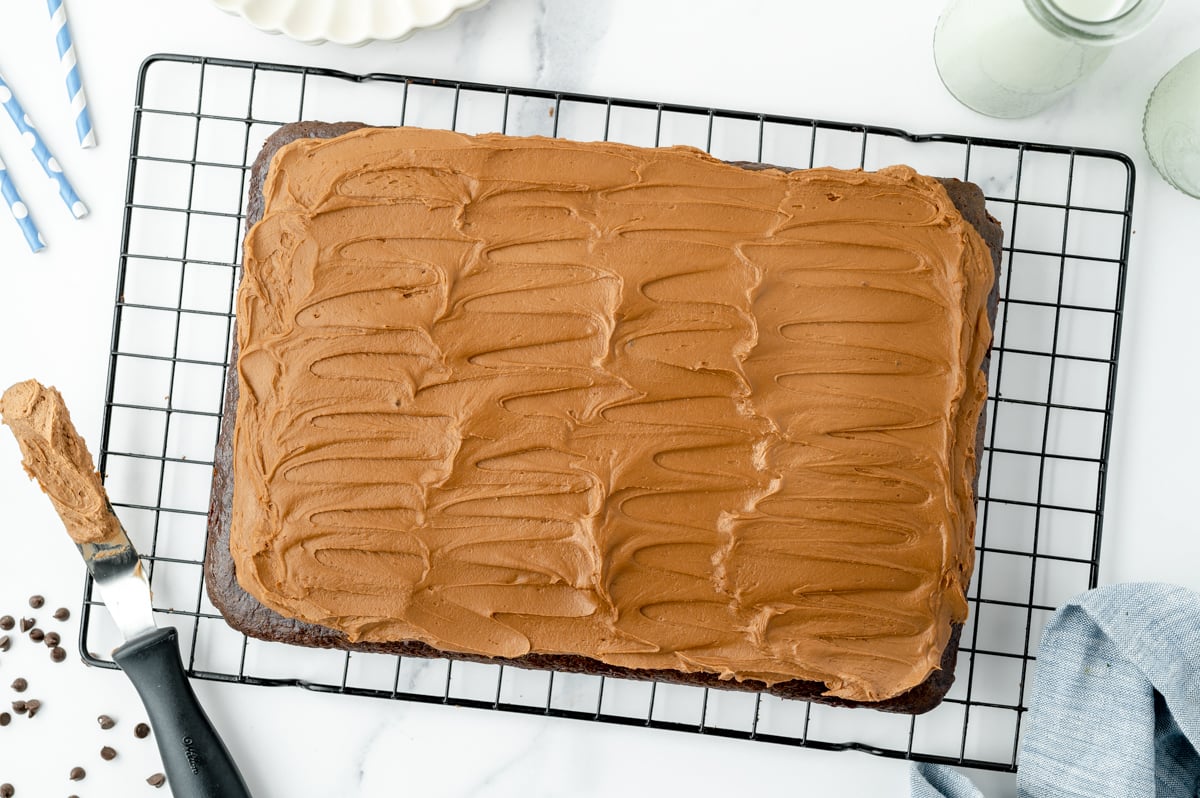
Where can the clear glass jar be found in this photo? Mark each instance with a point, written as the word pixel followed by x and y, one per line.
pixel 1171 127
pixel 1013 58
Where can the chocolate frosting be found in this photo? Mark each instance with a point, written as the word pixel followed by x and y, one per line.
pixel 59 460
pixel 521 395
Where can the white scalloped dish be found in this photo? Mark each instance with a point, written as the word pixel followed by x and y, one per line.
pixel 349 22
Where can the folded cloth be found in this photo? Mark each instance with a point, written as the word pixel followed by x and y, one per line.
pixel 1116 707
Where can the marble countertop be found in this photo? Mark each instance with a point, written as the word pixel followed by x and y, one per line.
pixel 860 60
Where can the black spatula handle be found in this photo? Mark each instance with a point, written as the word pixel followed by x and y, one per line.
pixel 196 761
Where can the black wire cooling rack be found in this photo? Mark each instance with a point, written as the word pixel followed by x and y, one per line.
pixel 199 122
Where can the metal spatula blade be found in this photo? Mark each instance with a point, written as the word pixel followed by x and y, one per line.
pixel 117 571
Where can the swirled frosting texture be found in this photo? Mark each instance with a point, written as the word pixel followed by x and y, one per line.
pixel 519 395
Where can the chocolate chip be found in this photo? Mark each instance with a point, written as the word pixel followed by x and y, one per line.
pixel 58 653
pixel 7 791
pixel 20 707
pixel 157 780
pixel 62 614
pixel 106 722
pixel 53 639
pixel 33 705
pixel 5 643
pixel 37 602
pixel 37 635
pixel 108 753
pixel 27 624
pixel 19 685
pixel 141 731
pixel 7 622
pixel 5 718
pixel 77 774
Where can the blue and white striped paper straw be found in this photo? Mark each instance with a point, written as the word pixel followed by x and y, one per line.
pixel 66 56
pixel 19 210
pixel 40 152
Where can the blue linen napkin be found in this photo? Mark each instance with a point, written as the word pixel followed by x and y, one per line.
pixel 1116 709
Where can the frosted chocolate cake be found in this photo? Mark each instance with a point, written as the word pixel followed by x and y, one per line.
pixel 600 408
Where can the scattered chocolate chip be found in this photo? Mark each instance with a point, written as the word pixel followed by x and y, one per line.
pixel 108 753
pixel 7 622
pixel 58 653
pixel 106 722
pixel 5 718
pixel 62 614
pixel 20 707
pixel 19 685
pixel 157 780
pixel 53 639
pixel 27 624
pixel 7 791
pixel 37 635
pixel 37 602
pixel 33 705
pixel 77 774
pixel 141 731
pixel 5 643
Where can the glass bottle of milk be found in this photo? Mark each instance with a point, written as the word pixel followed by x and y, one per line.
pixel 1171 126
pixel 1013 58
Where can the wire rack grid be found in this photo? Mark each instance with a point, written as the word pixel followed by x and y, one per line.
pixel 1066 211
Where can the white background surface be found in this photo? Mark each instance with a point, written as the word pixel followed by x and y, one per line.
pixel 860 60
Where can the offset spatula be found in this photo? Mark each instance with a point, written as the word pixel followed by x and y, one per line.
pixel 197 763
